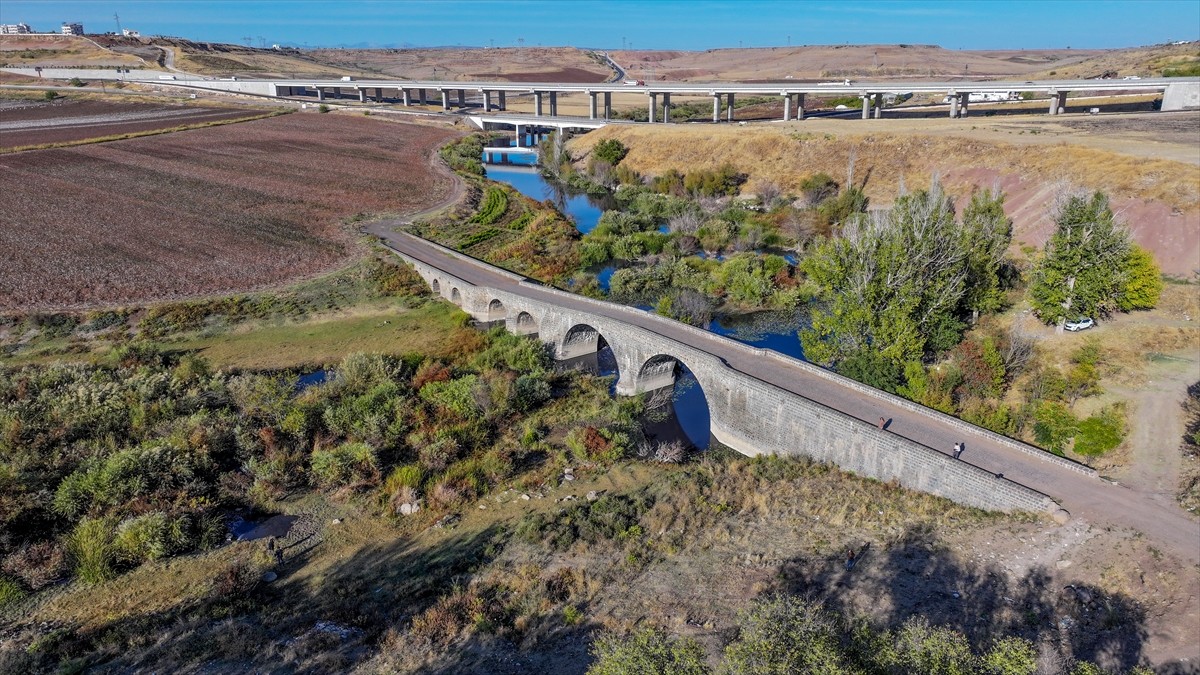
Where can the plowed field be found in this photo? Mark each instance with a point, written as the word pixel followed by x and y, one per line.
pixel 206 211
pixel 69 121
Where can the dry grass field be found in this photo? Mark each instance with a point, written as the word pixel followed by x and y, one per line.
pixel 1032 159
pixel 61 51
pixel 522 64
pixel 204 211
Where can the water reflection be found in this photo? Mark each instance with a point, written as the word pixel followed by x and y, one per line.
pixel 679 412
pixel 585 210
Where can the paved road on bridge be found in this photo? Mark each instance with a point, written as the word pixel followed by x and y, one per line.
pixel 1094 500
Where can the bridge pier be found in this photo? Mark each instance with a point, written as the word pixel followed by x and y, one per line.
pixel 964 104
pixel 554 104
pixel 653 105
pixel 362 95
pixel 591 105
pixel 608 105
pixel 787 107
pixel 716 108
pixel 866 106
pixel 520 138
pixel 445 99
pixel 487 100
pixel 379 94
pixel 878 106
pixel 537 104
pixel 503 104
pixel 666 108
pixel 1058 102
pixel 320 94
pixel 953 106
pixel 799 106
pixel 462 98
pixel 404 95
pixel 729 104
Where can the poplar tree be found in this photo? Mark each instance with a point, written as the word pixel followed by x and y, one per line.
pixel 1083 268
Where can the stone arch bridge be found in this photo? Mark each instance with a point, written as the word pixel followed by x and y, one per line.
pixel 759 401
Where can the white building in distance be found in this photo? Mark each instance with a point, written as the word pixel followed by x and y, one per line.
pixel 72 28
pixel 15 29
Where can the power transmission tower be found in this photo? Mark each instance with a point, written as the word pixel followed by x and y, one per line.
pixel 117 18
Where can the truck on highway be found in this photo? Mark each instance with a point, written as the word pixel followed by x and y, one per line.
pixel 634 83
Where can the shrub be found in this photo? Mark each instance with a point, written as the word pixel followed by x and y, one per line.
pixel 91 547
pixel 349 464
pixel 147 537
pixel 1011 656
pixel 10 592
pixel 610 150
pixel 785 634
pixel 322 108
pixel 1143 281
pixel 1100 433
pixel 38 564
pixel 933 650
pixel 647 652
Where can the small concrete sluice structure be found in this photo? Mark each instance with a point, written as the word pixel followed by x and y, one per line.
pixel 748 413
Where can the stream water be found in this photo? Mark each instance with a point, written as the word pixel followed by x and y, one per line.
pixel 682 414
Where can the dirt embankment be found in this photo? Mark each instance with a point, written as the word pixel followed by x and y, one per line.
pixel 1158 198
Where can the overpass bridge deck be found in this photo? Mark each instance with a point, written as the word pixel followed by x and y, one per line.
pixel 1078 491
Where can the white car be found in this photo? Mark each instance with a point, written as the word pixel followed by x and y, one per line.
pixel 1082 323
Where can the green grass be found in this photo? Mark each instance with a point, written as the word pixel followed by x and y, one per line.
pixel 386 328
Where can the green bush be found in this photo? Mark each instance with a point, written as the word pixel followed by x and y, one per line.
pixel 647 652
pixel 785 634
pixel 91 547
pixel 349 464
pixel 1100 433
pixel 610 150
pixel 10 592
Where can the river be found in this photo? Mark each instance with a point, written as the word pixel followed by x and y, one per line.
pixel 769 330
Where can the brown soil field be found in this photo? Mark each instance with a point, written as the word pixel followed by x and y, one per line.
pixel 214 210
pixel 917 62
pixel 1147 164
pixel 72 120
pixel 518 64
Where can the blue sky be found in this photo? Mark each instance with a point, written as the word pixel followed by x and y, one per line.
pixel 641 24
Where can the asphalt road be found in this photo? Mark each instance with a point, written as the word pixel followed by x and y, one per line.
pixel 1094 500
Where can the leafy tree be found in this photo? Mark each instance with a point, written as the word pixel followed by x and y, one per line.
pixel 818 187
pixel 988 233
pixel 1011 656
pixel 1082 271
pixel 933 650
pixel 871 367
pixel 896 282
pixel 647 652
pixel 1054 425
pixel 1100 433
pixel 610 150
pixel 785 635
pixel 1143 281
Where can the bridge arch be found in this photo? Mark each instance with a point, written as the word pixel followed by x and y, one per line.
pixel 496 310
pixel 525 324
pixel 456 297
pixel 435 286
pixel 673 388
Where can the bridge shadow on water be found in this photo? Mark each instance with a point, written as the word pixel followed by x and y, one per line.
pixel 918 576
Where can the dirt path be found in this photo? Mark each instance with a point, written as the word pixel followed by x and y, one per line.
pixel 1157 425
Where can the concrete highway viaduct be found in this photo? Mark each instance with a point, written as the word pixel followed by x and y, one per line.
pixel 1179 93
pixel 760 401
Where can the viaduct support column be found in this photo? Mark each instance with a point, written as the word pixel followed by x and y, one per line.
pixel 666 108
pixel 487 100
pixel 729 103
pixel 421 100
pixel 878 106
pixel 653 106
pixel 964 104
pixel 320 94
pixel 503 104
pixel 379 94
pixel 787 107
pixel 554 104
pixel 591 105
pixel 537 104
pixel 462 98
pixel 716 108
pixel 337 92
pixel 608 105
pixel 520 137
pixel 1058 102
pixel 404 95
pixel 799 106
pixel 362 95
pixel 953 106
pixel 866 106
pixel 445 99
